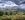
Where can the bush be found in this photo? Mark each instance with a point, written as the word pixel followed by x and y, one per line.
pixel 1 13
pixel 6 13
pixel 10 13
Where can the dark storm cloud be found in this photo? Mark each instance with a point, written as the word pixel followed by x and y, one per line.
pixel 18 2
pixel 1 2
pixel 23 2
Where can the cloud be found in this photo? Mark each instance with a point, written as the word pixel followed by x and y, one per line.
pixel 22 6
pixel 7 3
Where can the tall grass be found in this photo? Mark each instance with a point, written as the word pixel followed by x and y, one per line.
pixel 15 17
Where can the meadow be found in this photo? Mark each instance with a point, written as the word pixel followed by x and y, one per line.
pixel 13 17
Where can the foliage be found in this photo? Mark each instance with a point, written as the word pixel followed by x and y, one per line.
pixel 10 13
pixel 1 13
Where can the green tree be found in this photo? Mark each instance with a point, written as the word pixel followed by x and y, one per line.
pixel 24 13
pixel 1 13
pixel 6 13
pixel 11 13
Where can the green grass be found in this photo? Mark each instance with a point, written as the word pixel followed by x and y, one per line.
pixel 11 16
pixel 0 17
pixel 7 16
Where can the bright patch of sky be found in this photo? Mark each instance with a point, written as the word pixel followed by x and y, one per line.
pixel 22 6
pixel 7 3
pixel 10 3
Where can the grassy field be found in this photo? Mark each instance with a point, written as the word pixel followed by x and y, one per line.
pixel 12 17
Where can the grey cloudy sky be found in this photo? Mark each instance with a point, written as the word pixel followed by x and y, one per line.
pixel 4 3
